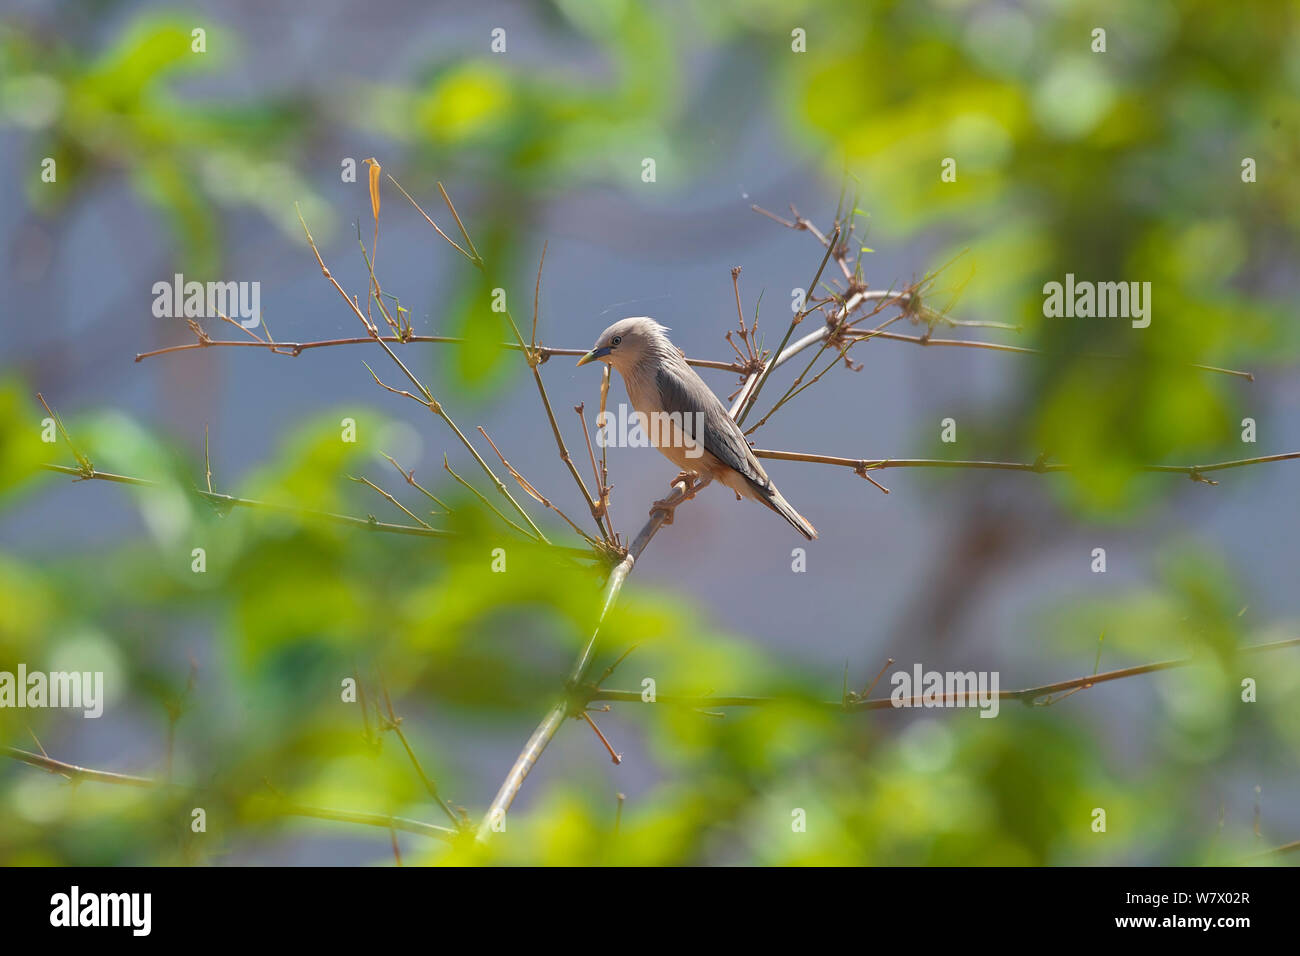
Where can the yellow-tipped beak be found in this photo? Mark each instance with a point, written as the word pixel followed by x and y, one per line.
pixel 592 356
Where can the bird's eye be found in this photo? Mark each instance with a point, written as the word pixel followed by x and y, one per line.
pixel 615 340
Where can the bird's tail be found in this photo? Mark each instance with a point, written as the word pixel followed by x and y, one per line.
pixel 774 500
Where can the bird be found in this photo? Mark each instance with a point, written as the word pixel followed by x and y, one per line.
pixel 659 380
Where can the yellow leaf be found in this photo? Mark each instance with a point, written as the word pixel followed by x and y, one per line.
pixel 374 186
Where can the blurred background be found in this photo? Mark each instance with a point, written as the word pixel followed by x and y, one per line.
pixel 1118 165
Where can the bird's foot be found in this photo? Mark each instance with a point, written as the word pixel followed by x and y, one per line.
pixel 668 506
pixel 690 477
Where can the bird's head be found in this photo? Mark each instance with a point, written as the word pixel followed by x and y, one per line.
pixel 629 342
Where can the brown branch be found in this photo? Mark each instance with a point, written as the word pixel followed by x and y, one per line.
pixel 394 723
pixel 294 349
pixel 532 491
pixel 1026 350
pixel 397 504
pixel 863 465
pixel 1028 695
pixel 433 405
pixel 544 352
pixel 410 480
pixel 75 773
pixel 453 242
pixel 569 706
pixel 481 497
pixel 534 366
pixel 1282 850
pixel 232 501
pixel 600 475
pixel 749 394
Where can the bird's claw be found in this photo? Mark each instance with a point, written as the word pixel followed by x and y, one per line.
pixel 667 506
pixel 689 477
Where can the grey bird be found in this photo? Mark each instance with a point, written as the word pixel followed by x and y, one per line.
pixel 659 380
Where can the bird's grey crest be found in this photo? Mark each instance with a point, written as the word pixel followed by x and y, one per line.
pixel 629 341
pixel 661 384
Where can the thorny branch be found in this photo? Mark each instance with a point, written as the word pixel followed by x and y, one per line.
pixel 1040 696
pixel 232 501
pixel 74 773
pixel 428 400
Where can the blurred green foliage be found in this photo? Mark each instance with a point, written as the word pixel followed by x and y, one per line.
pixel 1116 165
pixel 120 113
pixel 300 605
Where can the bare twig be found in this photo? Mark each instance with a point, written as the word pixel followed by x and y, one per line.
pixel 394 723
pixel 544 352
pixel 863 465
pixel 207 459
pixel 232 501
pixel 428 399
pixel 534 365
pixel 453 243
pixel 569 705
pixel 749 394
pixel 293 349
pixel 75 772
pixel 493 508
pixel 601 476
pixel 397 504
pixel 533 492
pixel 410 480
pixel 1030 695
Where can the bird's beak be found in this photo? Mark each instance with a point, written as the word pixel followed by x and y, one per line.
pixel 593 355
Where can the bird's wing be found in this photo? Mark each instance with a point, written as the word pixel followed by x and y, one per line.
pixel 684 392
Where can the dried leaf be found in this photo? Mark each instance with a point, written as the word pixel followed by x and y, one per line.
pixel 374 186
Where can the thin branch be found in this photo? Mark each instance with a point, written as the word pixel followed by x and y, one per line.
pixel 601 477
pixel 568 706
pixel 87 467
pixel 453 242
pixel 478 259
pixel 749 394
pixel 397 504
pixel 232 501
pixel 207 458
pixel 1026 350
pixel 293 349
pixel 863 465
pixel 75 773
pixel 405 824
pixel 394 723
pixel 544 352
pixel 1029 695
pixel 1282 850
pixel 481 497
pixel 410 480
pixel 434 405
pixel 534 493
pixel 614 755
pixel 534 366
